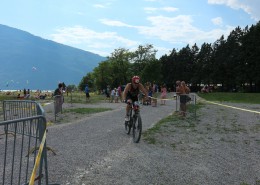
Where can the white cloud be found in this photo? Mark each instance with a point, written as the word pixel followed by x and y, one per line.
pixel 90 40
pixel 106 4
pixel 169 9
pixel 177 30
pixel 173 31
pixel 180 30
pixel 217 21
pixel 251 7
pixel 99 6
pixel 162 51
pixel 150 9
pixel 166 9
pixel 114 23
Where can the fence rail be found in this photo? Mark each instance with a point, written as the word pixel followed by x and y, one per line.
pixel 22 129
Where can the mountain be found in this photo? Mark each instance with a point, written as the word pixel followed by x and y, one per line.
pixel 31 62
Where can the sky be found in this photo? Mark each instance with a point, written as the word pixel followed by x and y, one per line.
pixel 102 26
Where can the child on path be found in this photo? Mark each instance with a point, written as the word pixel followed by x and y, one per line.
pixel 116 95
pixel 163 94
pixel 113 92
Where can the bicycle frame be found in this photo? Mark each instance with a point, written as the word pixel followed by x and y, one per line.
pixel 136 108
pixel 135 122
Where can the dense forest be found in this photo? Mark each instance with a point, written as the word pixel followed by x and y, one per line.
pixel 231 64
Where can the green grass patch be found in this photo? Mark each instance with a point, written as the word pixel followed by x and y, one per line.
pixel 161 123
pixel 149 135
pixel 170 124
pixel 252 98
pixel 80 97
pixel 86 110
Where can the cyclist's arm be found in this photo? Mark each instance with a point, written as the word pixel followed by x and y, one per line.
pixel 127 88
pixel 143 89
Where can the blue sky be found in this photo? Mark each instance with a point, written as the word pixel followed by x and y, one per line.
pixel 101 26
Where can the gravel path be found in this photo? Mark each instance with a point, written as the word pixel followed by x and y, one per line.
pixel 86 145
pixel 221 147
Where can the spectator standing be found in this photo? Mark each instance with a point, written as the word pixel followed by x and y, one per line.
pixel 119 91
pixel 150 93
pixel 113 92
pixel 155 88
pixel 107 92
pixel 58 97
pixel 163 94
pixel 116 95
pixel 178 92
pixel 87 92
pixel 59 90
pixel 24 92
pixel 184 91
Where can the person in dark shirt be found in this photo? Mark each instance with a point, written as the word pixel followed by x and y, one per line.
pixel 131 93
pixel 87 92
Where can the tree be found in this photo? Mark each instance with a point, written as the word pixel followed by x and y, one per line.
pixel 203 65
pixel 218 62
pixel 251 57
pixel 120 64
pixel 152 72
pixel 233 62
pixel 102 75
pixel 169 68
pixel 88 79
pixel 142 56
pixel 70 89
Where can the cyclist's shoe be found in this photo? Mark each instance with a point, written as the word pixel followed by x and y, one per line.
pixel 127 118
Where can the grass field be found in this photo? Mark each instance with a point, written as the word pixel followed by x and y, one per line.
pixel 75 97
pixel 252 98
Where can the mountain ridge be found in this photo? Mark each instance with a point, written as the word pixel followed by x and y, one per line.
pixel 31 62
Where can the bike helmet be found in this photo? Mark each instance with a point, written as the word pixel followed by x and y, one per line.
pixel 136 79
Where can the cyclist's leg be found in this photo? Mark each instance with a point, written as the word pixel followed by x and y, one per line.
pixel 128 107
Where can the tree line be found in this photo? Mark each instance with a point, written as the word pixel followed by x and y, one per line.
pixel 231 64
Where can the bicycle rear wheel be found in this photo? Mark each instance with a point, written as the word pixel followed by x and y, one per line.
pixel 128 126
pixel 137 129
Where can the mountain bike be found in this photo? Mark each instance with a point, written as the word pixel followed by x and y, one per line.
pixel 135 122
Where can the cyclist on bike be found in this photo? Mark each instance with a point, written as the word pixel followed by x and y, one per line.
pixel 131 92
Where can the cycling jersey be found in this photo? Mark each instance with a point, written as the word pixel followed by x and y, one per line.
pixel 133 93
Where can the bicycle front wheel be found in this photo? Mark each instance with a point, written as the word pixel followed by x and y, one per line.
pixel 128 126
pixel 137 129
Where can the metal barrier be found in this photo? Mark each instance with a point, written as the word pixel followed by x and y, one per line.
pixel 13 109
pixel 23 128
pixel 58 101
pixel 192 101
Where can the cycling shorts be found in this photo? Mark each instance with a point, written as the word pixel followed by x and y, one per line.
pixel 133 98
